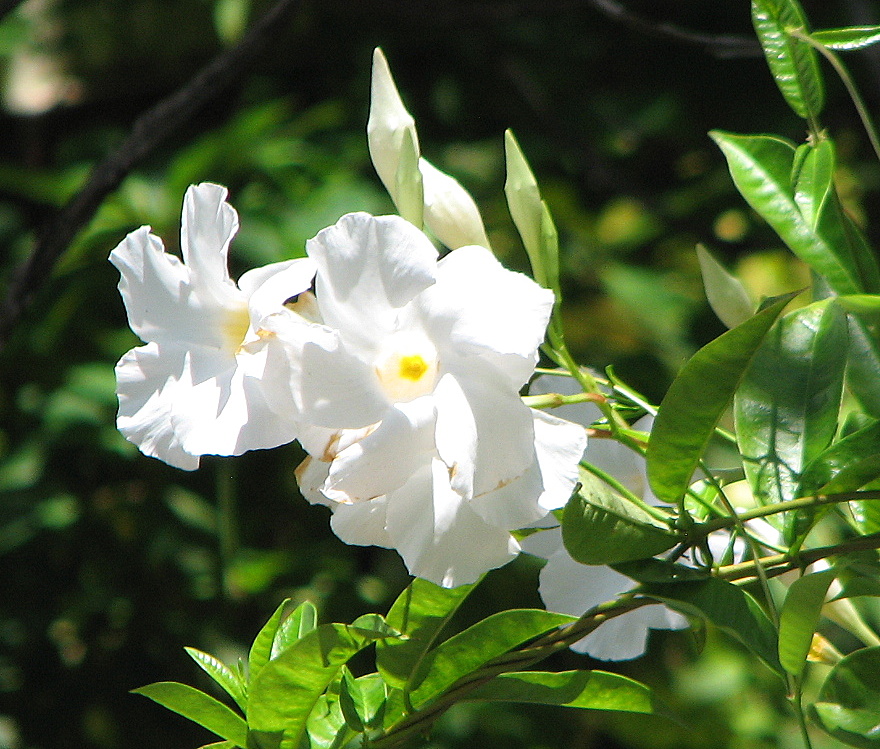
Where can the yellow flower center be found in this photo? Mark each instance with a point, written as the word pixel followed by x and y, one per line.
pixel 412 367
pixel 407 367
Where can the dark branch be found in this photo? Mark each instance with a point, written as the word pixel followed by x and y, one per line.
pixel 720 45
pixel 148 132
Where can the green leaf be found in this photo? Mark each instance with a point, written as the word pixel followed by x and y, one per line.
pixel 588 690
pixel 728 607
pixel 725 293
pixel 814 181
pixel 351 701
pixel 792 61
pixel 845 466
pixel 851 37
pixel 261 650
pixel 695 401
pixel 849 701
pixel 787 406
pixel 761 167
pixel 599 527
pixel 419 613
pixel 285 691
pixel 863 365
pixel 222 674
pixel 469 650
pixel 326 727
pixel 302 620
pixel 199 708
pixel 799 618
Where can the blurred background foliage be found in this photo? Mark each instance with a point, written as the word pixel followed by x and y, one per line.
pixel 111 562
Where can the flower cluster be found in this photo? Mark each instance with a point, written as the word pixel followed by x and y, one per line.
pixel 398 371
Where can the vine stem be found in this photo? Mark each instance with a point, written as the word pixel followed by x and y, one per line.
pixel 846 78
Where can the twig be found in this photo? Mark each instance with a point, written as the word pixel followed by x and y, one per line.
pixel 148 132
pixel 720 45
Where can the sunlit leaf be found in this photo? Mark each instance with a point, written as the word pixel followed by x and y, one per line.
pixel 849 701
pixel 467 651
pixel 222 674
pixel 284 692
pixel 787 405
pixel 261 650
pixel 588 690
pixel 419 614
pixel 199 708
pixel 302 620
pixel 863 365
pixel 799 618
pixel 599 527
pixel 851 37
pixel 695 401
pixel 792 61
pixel 761 167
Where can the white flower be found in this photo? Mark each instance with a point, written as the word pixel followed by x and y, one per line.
pixel 569 587
pixel 410 400
pixel 196 387
pixel 449 210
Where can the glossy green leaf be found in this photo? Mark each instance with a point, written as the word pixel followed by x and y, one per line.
pixel 219 745
pixel 725 293
pixel 261 650
pixel 849 701
pixel 787 406
pixel 728 607
pixel 285 691
pixel 847 465
pixel 326 726
pixel 474 647
pixel 814 181
pixel 863 365
pixel 792 61
pixel 199 708
pixel 302 620
pixel 696 400
pixel 222 674
pixel 588 690
pixel 599 527
pixel 799 618
pixel 845 39
pixel 419 614
pixel 761 167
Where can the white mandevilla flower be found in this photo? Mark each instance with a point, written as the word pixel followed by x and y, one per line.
pixel 569 587
pixel 449 210
pixel 197 386
pixel 409 399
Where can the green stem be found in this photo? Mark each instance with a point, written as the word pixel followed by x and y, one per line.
pixel 704 529
pixel 227 525
pixel 848 82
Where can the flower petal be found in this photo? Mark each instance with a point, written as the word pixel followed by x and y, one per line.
pixel 559 446
pixel 477 306
pixel 176 400
pixel 384 460
pixel 439 537
pixel 368 269
pixel 450 211
pixel 207 227
pixel 269 287
pixel 362 524
pixel 163 303
pixel 504 445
